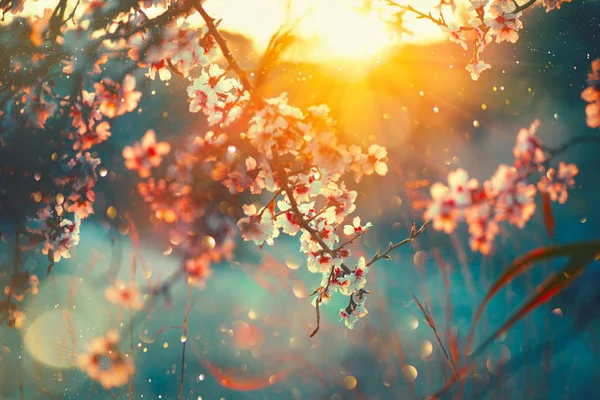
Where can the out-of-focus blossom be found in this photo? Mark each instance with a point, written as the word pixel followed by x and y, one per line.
pixel 476 68
pixel 507 196
pixel 528 148
pixel 515 200
pixel 552 4
pixel 442 209
pixel 39 110
pixel 591 94
pixel 61 234
pixel 124 295
pixel 117 99
pixel 556 183
pixel 145 155
pixel 456 34
pixel 198 269
pixel 104 362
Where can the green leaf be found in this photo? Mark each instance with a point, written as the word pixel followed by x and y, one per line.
pixel 553 285
pixel 522 264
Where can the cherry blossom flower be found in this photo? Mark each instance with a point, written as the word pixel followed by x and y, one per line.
pixel 442 209
pixel 482 228
pixel 461 187
pixel 592 95
pixel 82 202
pixel 477 5
pixel 476 68
pixel 528 149
pixel 341 199
pixel 350 317
pixel 61 234
pixel 373 161
pixel 86 108
pixel 205 90
pixel 556 183
pixel 198 269
pixel 21 283
pixel 286 219
pixel 456 34
pixel 515 200
pixel 504 27
pixel 105 363
pixel 258 227
pixel 124 295
pixel 500 7
pixel 90 137
pixel 507 196
pixel 117 99
pixel 38 111
pixel 161 68
pixel 552 4
pixel 145 155
pixel 356 228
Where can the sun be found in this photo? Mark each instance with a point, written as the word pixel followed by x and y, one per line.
pixel 329 30
pixel 340 29
pixel 332 30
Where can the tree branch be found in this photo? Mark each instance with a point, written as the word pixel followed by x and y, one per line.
pixel 212 29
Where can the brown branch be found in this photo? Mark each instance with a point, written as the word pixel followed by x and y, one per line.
pixel 421 15
pixel 212 29
pixel 317 303
pixel 306 226
pixel 523 7
pixel 414 233
pixel 567 145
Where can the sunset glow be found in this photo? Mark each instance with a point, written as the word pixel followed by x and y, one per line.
pixel 329 31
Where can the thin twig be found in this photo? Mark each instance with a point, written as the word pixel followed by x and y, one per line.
pixel 212 29
pixel 414 233
pixel 131 349
pixel 185 323
pixel 431 322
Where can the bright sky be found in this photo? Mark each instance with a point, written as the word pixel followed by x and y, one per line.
pixel 337 29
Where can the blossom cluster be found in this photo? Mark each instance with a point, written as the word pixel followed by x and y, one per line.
pixel 57 89
pixel 591 95
pixel 296 157
pixel 506 196
pixel 104 362
pixel 487 21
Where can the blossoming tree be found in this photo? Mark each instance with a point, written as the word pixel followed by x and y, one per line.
pixel 293 157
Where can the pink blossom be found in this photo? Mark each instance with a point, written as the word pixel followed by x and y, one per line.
pixel 504 27
pixel 125 295
pixel 553 4
pixel 475 68
pixel 527 150
pixel 556 183
pixel 115 99
pixel 515 200
pixel 456 34
pixel 258 227
pixel 442 208
pixel 146 154
pixel 356 228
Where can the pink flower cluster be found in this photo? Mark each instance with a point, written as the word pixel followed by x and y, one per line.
pixel 105 363
pixel 506 196
pixel 591 94
pixel 488 21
